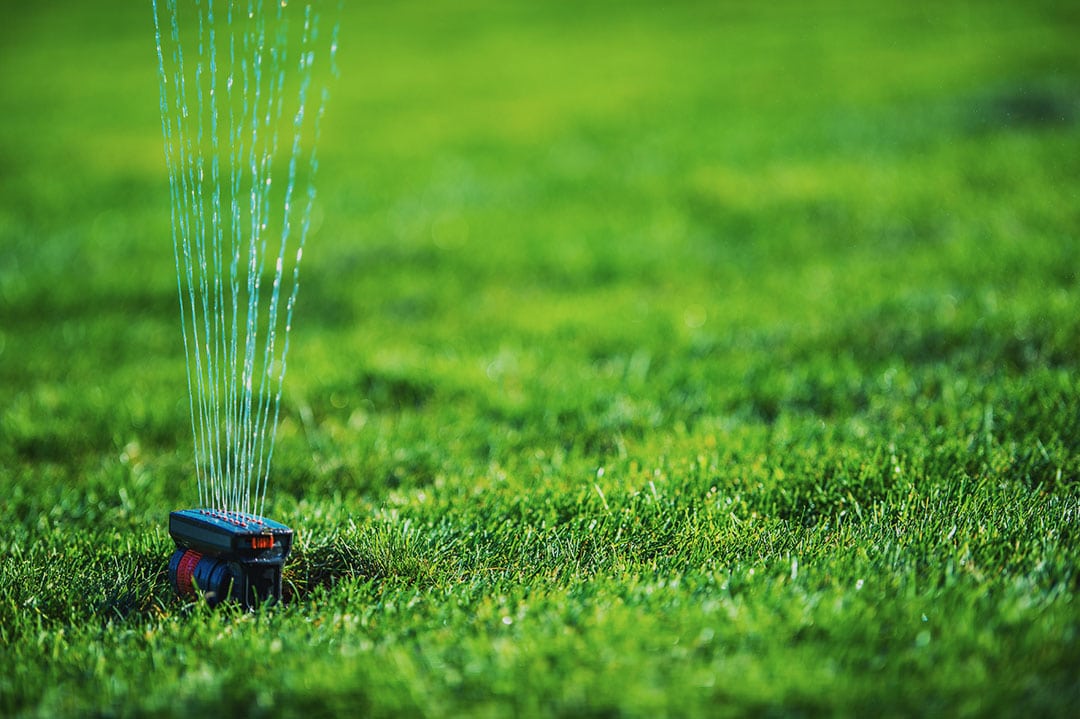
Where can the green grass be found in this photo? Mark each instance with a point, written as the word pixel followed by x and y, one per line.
pixel 651 359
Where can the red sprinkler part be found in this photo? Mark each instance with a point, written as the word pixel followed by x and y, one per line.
pixel 185 572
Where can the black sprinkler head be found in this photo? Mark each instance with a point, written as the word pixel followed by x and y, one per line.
pixel 227 556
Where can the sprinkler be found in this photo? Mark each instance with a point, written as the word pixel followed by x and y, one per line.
pixel 227 556
pixel 242 95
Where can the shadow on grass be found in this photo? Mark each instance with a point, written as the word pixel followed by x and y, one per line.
pixel 1032 103
pixel 379 552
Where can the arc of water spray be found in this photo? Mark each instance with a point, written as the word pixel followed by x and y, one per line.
pixel 226 208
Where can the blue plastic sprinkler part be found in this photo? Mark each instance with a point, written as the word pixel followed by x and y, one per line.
pixel 227 556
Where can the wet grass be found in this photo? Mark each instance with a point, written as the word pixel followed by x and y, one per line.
pixel 650 360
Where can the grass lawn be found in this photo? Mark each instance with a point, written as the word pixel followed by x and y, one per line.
pixel 652 359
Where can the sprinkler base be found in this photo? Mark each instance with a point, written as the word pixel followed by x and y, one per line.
pixel 227 556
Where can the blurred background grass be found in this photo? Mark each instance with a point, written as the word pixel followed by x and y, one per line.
pixel 534 205
pixel 779 263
